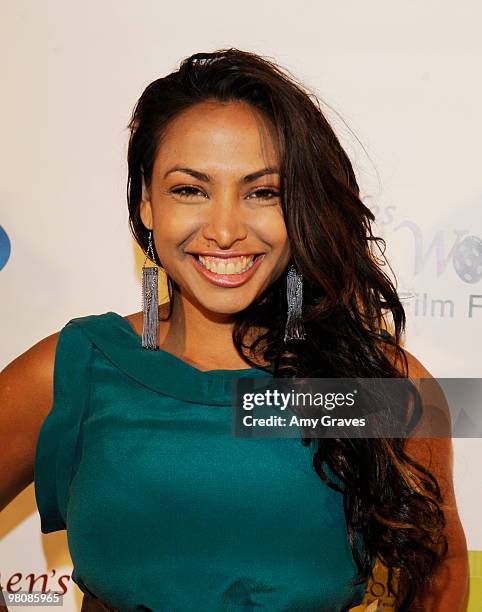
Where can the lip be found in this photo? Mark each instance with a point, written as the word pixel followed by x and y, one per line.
pixel 224 254
pixel 227 280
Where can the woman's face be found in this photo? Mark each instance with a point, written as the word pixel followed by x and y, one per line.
pixel 214 205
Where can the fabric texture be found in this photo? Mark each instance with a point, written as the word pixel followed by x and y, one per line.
pixel 165 509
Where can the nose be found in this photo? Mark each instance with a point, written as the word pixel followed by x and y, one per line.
pixel 224 223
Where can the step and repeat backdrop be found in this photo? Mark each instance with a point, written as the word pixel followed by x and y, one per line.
pixel 399 84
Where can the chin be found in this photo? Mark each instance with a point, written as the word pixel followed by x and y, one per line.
pixel 224 306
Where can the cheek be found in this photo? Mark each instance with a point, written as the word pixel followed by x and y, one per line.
pixel 281 245
pixel 271 227
pixel 172 229
pixel 274 233
pixel 279 238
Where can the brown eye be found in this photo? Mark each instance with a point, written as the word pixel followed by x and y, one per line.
pixel 265 194
pixel 187 191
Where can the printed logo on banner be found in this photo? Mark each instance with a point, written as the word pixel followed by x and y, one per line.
pixel 449 250
pixel 4 247
pixel 465 252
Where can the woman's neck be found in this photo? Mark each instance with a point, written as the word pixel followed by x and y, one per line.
pixel 201 338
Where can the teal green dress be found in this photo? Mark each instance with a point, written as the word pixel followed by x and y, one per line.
pixel 165 509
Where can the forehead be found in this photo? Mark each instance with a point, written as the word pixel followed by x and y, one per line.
pixel 219 136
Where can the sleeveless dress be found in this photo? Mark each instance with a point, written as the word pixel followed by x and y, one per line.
pixel 165 509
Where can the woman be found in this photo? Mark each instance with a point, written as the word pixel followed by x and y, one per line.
pixel 239 189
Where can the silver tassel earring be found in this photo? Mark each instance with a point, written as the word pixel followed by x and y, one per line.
pixel 150 276
pixel 294 329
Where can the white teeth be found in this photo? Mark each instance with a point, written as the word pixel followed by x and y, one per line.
pixel 235 265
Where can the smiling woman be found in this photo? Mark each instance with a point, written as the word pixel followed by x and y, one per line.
pixel 219 205
pixel 240 190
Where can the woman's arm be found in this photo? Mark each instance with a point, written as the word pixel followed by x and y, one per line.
pixel 448 591
pixel 26 395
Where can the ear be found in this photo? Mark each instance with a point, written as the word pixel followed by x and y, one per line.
pixel 146 208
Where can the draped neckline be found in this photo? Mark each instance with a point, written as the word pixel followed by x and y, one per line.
pixel 158 369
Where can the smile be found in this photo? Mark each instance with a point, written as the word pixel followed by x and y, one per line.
pixel 227 271
pixel 230 265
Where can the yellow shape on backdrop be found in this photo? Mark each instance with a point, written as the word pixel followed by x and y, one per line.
pixel 475 583
pixel 376 597
pixel 377 600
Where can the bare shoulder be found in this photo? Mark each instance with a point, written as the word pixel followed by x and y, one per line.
pixel 33 366
pixel 135 320
pixel 435 421
pixel 26 396
pixel 26 384
pixel 416 369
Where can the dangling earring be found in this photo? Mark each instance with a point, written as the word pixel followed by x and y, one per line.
pixel 150 276
pixel 294 329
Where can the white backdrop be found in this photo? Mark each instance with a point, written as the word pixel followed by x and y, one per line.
pixel 406 79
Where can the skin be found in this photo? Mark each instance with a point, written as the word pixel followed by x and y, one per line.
pixel 226 142
pixel 449 589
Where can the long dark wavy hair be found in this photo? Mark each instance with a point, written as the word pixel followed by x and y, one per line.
pixel 392 503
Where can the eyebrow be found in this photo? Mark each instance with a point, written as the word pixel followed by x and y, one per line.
pixel 202 176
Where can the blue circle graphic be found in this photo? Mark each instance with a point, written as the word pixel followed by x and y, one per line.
pixel 5 247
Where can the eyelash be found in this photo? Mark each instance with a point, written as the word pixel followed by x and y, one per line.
pixel 178 191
